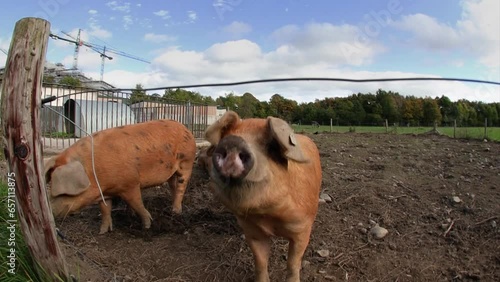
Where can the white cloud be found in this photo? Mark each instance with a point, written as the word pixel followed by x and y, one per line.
pixel 127 21
pixel 429 33
pixel 118 6
pixel 237 29
pixel 324 42
pixel 88 61
pixel 192 16
pixel 164 14
pixel 234 51
pixel 158 38
pixel 95 29
pixel 476 32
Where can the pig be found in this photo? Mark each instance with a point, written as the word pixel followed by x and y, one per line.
pixel 270 178
pixel 126 159
pixel 204 159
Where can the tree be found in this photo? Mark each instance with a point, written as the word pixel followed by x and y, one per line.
pixel 431 112
pixel 282 107
pixel 446 107
pixel 186 95
pixel 389 107
pixel 70 81
pixel 248 105
pixel 138 95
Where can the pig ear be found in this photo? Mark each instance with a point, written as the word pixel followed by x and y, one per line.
pixel 69 179
pixel 48 164
pixel 216 131
pixel 283 133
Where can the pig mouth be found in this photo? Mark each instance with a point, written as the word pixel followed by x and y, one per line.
pixel 232 160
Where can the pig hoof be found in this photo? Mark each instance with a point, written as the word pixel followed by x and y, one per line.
pixel 105 228
pixel 177 210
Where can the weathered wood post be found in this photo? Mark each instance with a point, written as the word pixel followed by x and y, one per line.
pixel 20 105
pixel 455 128
pixel 485 128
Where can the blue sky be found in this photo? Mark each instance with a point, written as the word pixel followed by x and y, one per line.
pixel 191 42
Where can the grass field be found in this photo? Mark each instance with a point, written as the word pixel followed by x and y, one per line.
pixel 492 133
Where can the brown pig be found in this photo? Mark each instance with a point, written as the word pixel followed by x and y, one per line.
pixel 126 159
pixel 270 179
pixel 204 159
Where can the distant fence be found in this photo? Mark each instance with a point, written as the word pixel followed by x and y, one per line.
pixel 455 131
pixel 77 112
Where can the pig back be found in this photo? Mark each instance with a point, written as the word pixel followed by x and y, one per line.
pixel 147 153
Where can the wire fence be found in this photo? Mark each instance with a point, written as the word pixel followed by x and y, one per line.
pixel 76 112
pixel 452 130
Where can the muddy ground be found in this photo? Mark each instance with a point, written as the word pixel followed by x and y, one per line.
pixel 439 199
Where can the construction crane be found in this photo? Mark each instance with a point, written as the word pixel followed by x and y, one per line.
pixel 101 50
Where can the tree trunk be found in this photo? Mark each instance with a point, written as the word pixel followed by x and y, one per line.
pixel 21 97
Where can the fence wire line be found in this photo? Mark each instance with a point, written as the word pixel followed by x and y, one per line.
pixel 92 151
pixel 322 79
pixel 332 79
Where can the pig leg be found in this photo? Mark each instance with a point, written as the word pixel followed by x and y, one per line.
pixel 296 248
pixel 133 198
pixel 178 183
pixel 260 244
pixel 107 223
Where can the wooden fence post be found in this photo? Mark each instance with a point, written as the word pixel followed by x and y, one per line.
pixel 20 105
pixel 485 128
pixel 455 128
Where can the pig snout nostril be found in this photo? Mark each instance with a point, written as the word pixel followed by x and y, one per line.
pixel 244 157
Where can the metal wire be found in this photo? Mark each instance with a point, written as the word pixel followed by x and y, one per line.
pixel 317 79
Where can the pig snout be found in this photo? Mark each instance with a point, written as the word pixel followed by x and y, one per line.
pixel 232 158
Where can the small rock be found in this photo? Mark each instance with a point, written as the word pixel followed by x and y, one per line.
pixel 372 222
pixel 456 199
pixel 329 278
pixel 360 224
pixel 321 271
pixel 493 224
pixel 325 197
pixel 321 201
pixel 323 253
pixel 379 232
pixel 305 263
pixel 363 230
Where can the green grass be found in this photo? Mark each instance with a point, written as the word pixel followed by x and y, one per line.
pixel 25 267
pixel 59 135
pixel 492 133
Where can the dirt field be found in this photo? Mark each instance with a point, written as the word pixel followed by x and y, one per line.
pixel 438 198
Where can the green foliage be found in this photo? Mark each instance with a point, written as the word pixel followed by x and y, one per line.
pixel 356 110
pixel 138 95
pixel 186 95
pixel 49 79
pixel 70 81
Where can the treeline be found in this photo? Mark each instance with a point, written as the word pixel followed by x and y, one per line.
pixel 357 109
